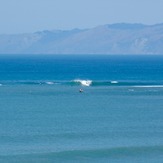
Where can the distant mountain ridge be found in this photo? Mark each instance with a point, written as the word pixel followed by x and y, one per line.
pixel 120 38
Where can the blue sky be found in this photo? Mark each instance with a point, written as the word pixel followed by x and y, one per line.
pixel 19 16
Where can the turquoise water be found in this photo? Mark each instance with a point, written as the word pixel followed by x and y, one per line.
pixel 118 118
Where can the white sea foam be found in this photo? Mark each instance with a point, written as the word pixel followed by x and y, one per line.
pixel 84 82
pixel 114 82
pixel 49 83
pixel 149 86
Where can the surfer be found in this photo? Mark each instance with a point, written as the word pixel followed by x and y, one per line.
pixel 80 90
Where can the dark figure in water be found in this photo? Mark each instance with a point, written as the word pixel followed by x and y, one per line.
pixel 80 90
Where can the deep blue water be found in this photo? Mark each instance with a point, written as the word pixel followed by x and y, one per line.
pixel 83 67
pixel 118 118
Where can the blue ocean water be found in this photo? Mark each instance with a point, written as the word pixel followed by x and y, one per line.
pixel 118 117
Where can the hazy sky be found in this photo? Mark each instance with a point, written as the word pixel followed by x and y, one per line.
pixel 19 16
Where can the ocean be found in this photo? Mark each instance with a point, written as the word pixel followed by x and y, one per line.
pixel 118 118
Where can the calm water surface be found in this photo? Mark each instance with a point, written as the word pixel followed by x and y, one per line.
pixel 118 118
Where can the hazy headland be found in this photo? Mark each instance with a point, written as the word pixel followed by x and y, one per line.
pixel 120 38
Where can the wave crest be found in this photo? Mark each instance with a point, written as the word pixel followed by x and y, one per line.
pixel 84 82
pixel 49 83
pixel 114 82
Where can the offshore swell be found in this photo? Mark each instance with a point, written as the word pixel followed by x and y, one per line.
pixel 79 82
pixel 118 117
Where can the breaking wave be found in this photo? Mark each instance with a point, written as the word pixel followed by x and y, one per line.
pixel 88 83
pixel 93 83
pixel 114 82
pixel 84 82
pixel 49 83
pixel 149 86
